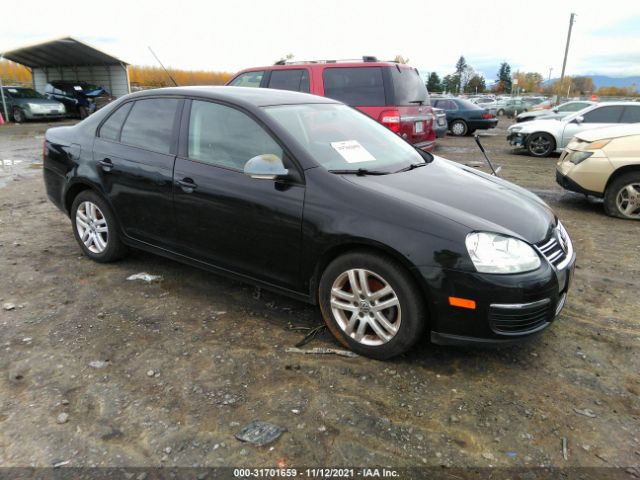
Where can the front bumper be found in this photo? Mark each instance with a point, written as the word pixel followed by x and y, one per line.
pixel 509 308
pixel 517 139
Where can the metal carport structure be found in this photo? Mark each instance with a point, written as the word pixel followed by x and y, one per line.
pixel 70 59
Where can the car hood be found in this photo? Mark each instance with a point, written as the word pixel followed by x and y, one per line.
pixel 466 196
pixel 545 125
pixel 609 132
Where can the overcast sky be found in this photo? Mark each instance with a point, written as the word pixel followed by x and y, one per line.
pixel 229 35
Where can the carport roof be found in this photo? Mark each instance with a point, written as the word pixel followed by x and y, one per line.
pixel 62 52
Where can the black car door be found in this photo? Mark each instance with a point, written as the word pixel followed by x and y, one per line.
pixel 224 217
pixel 135 153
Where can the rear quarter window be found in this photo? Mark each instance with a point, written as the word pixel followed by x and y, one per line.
pixel 110 130
pixel 408 87
pixel 296 80
pixel 357 86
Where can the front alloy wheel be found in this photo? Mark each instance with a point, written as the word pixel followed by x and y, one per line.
pixel 365 307
pixel 622 197
pixel 540 144
pixel 371 304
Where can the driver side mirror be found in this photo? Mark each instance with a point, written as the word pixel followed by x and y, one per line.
pixel 265 167
pixel 555 110
pixel 579 119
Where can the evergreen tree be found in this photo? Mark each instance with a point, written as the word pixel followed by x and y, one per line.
pixel 504 77
pixel 433 83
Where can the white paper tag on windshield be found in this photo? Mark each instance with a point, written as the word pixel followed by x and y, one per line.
pixel 77 88
pixel 352 151
pixel 12 90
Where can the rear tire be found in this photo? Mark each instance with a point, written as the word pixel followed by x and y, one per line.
pixel 500 112
pixel 540 144
pixel 622 197
pixel 371 304
pixel 459 128
pixel 95 228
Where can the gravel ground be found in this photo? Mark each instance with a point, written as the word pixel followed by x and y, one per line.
pixel 100 371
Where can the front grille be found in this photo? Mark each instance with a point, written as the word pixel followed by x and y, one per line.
pixel 519 319
pixel 557 249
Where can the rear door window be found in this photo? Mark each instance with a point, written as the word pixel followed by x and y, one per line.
pixel 357 86
pixel 248 79
pixel 294 79
pixel 408 87
pixel 631 115
pixel 110 130
pixel 150 124
pixel 609 114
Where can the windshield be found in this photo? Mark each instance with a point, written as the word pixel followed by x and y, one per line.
pixel 408 87
pixel 23 93
pixel 341 138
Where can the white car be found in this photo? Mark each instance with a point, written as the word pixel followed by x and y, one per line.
pixel 543 137
pixel 555 113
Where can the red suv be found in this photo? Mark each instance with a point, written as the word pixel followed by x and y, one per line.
pixel 392 93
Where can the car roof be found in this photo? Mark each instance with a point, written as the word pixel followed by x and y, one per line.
pixel 324 64
pixel 248 96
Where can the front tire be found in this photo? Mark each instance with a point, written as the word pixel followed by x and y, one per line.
pixel 459 128
pixel 95 228
pixel 622 197
pixel 372 305
pixel 540 144
pixel 18 115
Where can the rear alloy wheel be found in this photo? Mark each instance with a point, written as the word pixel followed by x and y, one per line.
pixel 371 305
pixel 95 228
pixel 500 112
pixel 18 115
pixel 459 128
pixel 622 198
pixel 540 144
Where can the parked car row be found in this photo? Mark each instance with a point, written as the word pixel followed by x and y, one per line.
pixel 464 117
pixel 26 104
pixel 61 99
pixel 600 150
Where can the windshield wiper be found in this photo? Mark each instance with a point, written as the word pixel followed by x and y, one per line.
pixel 411 167
pixel 358 171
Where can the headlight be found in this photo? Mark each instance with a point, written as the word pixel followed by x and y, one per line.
pixel 33 106
pixel 61 107
pixel 515 129
pixel 578 157
pixel 597 145
pixel 494 253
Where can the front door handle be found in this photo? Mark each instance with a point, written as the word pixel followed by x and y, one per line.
pixel 106 164
pixel 187 185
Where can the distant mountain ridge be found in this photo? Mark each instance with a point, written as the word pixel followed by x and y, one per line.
pixel 607 81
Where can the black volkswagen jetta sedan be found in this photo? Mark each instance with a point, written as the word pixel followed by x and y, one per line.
pixel 313 199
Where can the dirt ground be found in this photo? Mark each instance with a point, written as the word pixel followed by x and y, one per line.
pixel 190 360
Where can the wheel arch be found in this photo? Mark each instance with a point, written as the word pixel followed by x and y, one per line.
pixel 619 172
pixel 338 250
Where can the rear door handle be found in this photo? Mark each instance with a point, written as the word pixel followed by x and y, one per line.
pixel 187 185
pixel 106 164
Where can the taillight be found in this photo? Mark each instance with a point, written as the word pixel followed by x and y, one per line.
pixel 391 120
pixel 487 115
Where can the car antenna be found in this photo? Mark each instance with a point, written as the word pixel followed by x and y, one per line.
pixel 165 70
pixel 495 171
